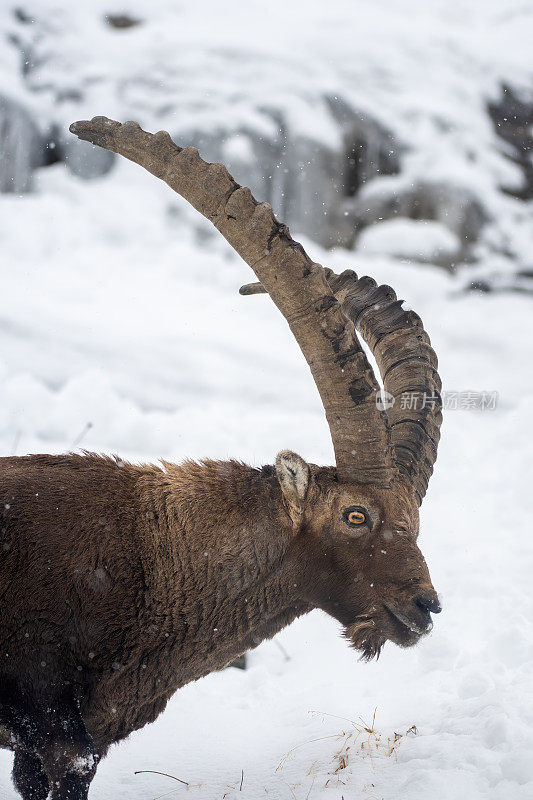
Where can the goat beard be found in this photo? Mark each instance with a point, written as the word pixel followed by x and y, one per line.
pixel 363 636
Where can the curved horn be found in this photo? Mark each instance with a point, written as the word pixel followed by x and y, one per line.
pixel 407 364
pixel 408 367
pixel 298 287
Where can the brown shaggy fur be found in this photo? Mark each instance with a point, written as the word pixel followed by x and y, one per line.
pixel 121 583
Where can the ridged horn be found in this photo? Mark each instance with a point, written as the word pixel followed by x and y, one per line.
pixel 344 378
pixel 408 366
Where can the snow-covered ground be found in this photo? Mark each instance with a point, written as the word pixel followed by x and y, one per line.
pixel 121 330
pixel 113 314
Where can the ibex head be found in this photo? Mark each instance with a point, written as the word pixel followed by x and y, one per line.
pixel 353 527
pixel 355 545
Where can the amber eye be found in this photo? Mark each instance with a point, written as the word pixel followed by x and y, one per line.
pixel 356 516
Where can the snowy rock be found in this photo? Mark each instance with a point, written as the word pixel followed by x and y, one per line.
pixel 85 160
pixel 121 21
pixel 311 177
pixel 417 240
pixel 455 208
pixel 335 131
pixel 20 147
pixel 369 148
pixel 512 116
pixel 299 176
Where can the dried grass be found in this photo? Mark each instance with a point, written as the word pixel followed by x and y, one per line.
pixel 360 740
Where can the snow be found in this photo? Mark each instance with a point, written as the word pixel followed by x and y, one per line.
pixel 418 240
pixel 113 315
pixel 120 309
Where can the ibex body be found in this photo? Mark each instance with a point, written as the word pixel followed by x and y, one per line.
pixel 121 583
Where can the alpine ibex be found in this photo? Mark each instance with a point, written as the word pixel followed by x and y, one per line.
pixel 121 583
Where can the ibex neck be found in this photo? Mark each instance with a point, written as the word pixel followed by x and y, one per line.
pixel 225 539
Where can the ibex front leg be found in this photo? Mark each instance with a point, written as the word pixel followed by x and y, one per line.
pixel 54 754
pixel 29 776
pixel 68 757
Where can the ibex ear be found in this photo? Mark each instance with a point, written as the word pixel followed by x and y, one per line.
pixel 293 475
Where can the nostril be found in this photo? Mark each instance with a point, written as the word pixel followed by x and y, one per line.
pixel 428 602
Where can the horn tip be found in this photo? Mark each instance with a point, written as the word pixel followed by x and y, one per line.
pixel 77 127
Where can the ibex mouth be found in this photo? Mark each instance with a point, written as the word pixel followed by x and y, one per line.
pixel 410 624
